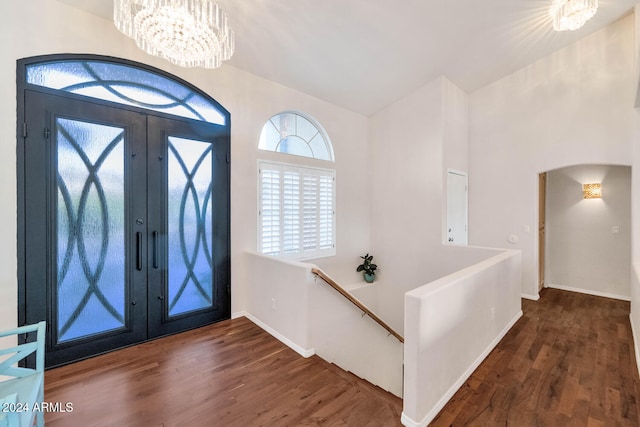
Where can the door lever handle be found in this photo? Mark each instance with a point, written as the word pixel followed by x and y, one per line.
pixel 139 251
pixel 155 249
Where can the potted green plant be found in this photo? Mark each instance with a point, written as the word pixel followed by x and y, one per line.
pixel 368 268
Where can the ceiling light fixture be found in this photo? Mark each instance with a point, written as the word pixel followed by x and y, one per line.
pixel 188 33
pixel 571 14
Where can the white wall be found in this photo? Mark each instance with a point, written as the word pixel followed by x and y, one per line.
pixel 571 107
pixel 37 27
pixel 451 325
pixel 406 183
pixel 413 142
pixel 635 202
pixel 583 253
pixel 455 127
pixel 455 139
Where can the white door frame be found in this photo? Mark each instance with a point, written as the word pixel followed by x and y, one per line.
pixel 452 235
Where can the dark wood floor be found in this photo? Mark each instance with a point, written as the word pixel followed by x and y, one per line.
pixel 228 374
pixel 569 361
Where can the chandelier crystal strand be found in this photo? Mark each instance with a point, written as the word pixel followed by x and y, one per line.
pixel 188 33
pixel 572 14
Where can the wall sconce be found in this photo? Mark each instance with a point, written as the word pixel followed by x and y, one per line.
pixel 592 191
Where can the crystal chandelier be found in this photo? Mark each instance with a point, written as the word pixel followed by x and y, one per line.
pixel 571 14
pixel 188 33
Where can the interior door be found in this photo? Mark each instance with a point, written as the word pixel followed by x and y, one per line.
pixel 457 207
pixel 126 225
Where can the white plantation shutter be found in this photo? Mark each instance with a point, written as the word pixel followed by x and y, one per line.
pixel 296 211
pixel 310 213
pixel 291 212
pixel 326 212
pixel 270 212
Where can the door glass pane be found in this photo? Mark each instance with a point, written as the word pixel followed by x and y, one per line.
pixel 90 228
pixel 124 84
pixel 190 218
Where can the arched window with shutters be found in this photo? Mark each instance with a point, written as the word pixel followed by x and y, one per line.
pixel 296 203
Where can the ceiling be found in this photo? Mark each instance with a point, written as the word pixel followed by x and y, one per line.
pixel 365 54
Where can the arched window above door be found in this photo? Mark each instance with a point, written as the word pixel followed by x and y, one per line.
pixel 124 84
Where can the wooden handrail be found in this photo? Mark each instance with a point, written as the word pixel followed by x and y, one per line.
pixel 356 302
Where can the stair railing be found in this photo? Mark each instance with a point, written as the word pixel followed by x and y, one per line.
pixel 366 310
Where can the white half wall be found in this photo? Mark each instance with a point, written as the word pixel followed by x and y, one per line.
pixel 278 300
pixel 386 298
pixel 343 335
pixel 305 313
pixel 574 106
pixel 451 325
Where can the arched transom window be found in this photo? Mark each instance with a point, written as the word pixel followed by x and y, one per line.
pixel 292 133
pixel 124 84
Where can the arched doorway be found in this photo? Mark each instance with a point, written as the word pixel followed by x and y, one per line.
pixel 123 196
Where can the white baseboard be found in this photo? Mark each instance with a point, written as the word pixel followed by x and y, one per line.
pixel 407 421
pixel 588 292
pixel 238 314
pixel 531 297
pixel 635 344
pixel 286 341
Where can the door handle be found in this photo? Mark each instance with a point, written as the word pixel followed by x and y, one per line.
pixel 155 249
pixel 139 251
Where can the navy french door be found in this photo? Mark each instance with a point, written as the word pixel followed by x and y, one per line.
pixel 126 224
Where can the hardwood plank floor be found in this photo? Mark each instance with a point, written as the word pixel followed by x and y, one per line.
pixel 569 361
pixel 228 374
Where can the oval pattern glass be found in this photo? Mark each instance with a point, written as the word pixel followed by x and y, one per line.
pixel 90 228
pixel 125 85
